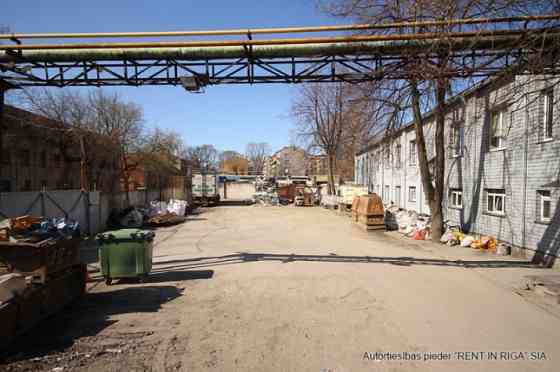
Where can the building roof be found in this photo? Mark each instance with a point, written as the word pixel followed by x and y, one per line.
pixel 14 114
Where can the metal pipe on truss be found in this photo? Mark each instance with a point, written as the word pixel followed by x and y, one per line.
pixel 431 36
pixel 281 30
pixel 283 48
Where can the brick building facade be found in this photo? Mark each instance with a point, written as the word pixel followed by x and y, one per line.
pixel 38 153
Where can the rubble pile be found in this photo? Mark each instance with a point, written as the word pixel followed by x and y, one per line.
pixel 267 198
pixel 329 201
pixel 156 213
pixel 28 229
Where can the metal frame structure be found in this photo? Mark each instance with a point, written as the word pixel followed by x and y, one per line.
pixel 244 70
pixel 352 59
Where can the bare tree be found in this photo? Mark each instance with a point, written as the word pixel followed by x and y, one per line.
pixel 162 148
pixel 321 112
pixel 256 153
pixel 424 79
pixel 203 158
pixel 113 122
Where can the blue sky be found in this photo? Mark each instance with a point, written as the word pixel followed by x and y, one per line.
pixel 226 116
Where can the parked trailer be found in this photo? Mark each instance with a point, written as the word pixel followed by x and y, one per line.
pixel 205 189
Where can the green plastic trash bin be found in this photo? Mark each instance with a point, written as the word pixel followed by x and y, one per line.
pixel 125 253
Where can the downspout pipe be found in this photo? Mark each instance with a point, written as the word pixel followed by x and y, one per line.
pixel 525 171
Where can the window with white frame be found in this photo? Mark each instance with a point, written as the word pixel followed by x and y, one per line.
pixel 412 153
pixel 544 206
pixel 455 139
pixel 548 113
pixel 498 129
pixel 496 201
pixel 398 156
pixel 456 198
pixel 412 193
pixel 387 193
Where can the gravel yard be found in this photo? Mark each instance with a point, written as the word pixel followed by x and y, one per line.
pixel 301 289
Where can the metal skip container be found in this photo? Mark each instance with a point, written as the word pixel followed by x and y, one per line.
pixel 125 253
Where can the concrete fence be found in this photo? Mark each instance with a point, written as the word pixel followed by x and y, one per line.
pixel 90 209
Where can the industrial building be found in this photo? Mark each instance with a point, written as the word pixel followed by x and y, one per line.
pixel 502 164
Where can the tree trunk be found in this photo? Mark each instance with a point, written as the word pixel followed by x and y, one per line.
pixel 433 193
pixel 125 176
pixel 331 173
pixel 84 171
pixel 439 165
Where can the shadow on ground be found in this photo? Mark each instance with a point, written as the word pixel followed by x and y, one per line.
pixel 87 318
pixel 243 257
pixel 163 276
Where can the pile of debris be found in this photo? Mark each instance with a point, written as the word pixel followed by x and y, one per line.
pixel 329 201
pixel 408 223
pixel 29 229
pixel 453 236
pixel 157 213
pixel 268 198
pixel 418 227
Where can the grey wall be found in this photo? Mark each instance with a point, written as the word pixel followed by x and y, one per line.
pixel 526 165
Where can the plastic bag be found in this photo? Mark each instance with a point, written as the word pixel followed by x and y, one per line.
pixel 177 206
pixel 420 234
pixel 467 241
pixel 132 219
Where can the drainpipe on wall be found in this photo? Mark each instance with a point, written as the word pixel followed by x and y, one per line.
pixel 525 162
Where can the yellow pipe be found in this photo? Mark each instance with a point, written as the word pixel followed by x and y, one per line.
pixel 322 40
pixel 283 30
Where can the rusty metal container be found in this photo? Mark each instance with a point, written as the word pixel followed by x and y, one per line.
pixel 287 192
pixel 371 213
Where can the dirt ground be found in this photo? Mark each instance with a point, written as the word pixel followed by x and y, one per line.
pixel 301 289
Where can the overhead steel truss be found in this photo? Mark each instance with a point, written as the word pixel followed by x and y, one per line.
pixel 245 70
pixel 195 64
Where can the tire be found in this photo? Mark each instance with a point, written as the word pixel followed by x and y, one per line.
pixel 108 281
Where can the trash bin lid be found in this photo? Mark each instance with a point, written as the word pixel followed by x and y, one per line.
pixel 126 234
